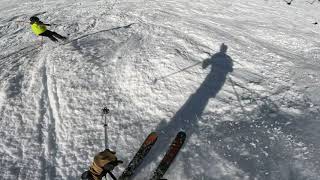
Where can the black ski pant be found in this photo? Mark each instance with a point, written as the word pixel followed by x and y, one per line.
pixel 52 35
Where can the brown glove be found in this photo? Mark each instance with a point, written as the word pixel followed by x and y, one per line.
pixel 103 162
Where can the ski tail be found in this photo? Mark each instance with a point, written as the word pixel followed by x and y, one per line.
pixel 170 155
pixel 139 156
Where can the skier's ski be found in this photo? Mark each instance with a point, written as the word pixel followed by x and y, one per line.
pixel 169 156
pixel 138 158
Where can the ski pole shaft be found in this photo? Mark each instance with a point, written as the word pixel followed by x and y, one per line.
pixel 112 175
pixel 181 70
pixel 105 111
pixel 21 21
pixel 106 136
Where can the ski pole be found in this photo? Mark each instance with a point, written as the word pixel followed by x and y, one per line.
pixel 111 175
pixel 105 111
pixel 21 21
pixel 181 70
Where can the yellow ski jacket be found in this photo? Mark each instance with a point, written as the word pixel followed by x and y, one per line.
pixel 38 28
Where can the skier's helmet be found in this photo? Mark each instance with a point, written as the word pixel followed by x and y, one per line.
pixel 34 19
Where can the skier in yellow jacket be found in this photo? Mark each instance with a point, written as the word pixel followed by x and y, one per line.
pixel 40 29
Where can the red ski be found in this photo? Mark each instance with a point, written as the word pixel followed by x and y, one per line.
pixel 139 156
pixel 169 156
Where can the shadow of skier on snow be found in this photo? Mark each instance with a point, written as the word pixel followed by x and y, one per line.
pixel 187 116
pixel 264 144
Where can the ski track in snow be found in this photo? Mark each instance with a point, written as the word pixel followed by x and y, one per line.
pixel 47 127
pixel 143 59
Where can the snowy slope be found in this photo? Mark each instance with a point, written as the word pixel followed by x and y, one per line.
pixel 252 114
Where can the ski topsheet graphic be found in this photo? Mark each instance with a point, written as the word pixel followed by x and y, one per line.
pixel 169 156
pixel 138 158
pixel 166 161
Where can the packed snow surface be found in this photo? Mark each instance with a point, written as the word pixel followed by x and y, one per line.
pixel 240 77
